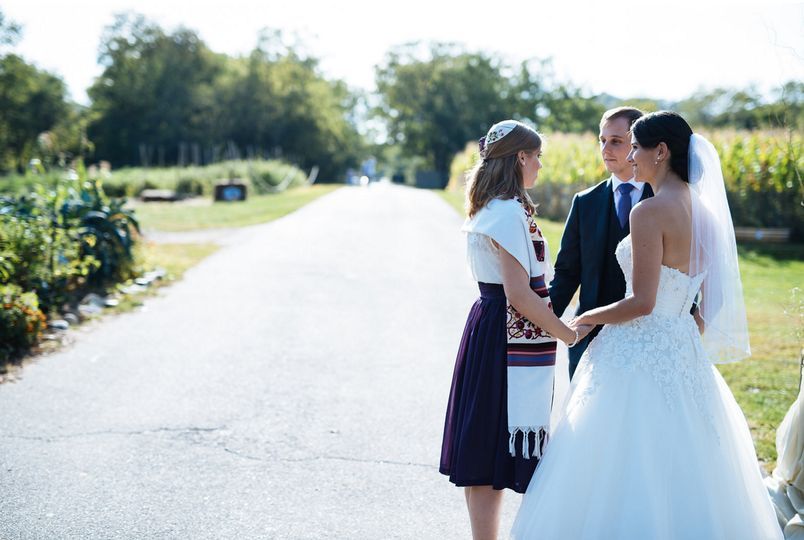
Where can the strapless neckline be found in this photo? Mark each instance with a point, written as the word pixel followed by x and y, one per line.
pixel 672 269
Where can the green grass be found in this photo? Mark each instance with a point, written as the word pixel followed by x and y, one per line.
pixel 174 258
pixel 205 214
pixel 766 384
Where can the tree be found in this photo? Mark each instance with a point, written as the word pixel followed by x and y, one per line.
pixel 435 102
pixel 275 101
pixel 31 101
pixel 67 139
pixel 9 31
pixel 550 104
pixel 746 108
pixel 788 109
pixel 568 110
pixel 162 94
pixel 153 94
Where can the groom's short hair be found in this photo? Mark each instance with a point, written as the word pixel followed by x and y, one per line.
pixel 630 113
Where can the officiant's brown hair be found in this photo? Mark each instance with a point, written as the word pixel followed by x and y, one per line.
pixel 498 174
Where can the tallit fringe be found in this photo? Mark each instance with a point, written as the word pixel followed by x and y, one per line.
pixel 541 436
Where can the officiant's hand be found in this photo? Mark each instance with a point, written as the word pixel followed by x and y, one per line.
pixel 580 320
pixel 583 329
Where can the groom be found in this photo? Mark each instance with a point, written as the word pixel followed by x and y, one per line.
pixel 597 221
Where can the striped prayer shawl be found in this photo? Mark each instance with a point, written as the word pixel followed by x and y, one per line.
pixel 531 357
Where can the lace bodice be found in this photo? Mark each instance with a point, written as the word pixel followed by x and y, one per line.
pixel 676 291
pixel 665 344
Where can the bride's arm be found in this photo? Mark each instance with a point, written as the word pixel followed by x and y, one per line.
pixel 646 239
pixel 517 289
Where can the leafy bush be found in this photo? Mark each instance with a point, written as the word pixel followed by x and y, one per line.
pixel 65 238
pixel 43 256
pixel 21 321
pixel 261 175
pixel 189 187
pixel 115 189
pixel 7 260
pixel 105 231
pixel 461 165
pixel 277 176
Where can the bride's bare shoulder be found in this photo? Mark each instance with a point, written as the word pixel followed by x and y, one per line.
pixel 661 215
pixel 652 209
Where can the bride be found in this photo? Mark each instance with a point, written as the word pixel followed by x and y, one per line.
pixel 652 444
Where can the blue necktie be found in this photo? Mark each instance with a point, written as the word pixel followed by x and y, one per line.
pixel 624 205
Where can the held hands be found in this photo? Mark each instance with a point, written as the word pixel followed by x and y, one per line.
pixel 581 331
pixel 581 327
pixel 580 320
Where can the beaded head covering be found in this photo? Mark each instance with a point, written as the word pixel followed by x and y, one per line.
pixel 495 133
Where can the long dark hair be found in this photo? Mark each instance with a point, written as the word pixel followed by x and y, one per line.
pixel 671 129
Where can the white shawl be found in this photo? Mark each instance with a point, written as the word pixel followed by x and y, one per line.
pixel 530 388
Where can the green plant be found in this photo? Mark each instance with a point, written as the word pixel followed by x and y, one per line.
pixel 42 254
pixel 7 259
pixel 105 232
pixel 66 237
pixel 21 321
pixel 190 186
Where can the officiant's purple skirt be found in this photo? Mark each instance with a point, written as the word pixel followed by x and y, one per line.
pixel 474 451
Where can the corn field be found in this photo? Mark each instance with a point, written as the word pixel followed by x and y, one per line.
pixel 762 171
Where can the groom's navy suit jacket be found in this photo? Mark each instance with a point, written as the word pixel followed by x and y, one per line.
pixel 586 257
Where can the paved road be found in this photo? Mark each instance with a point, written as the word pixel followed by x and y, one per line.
pixel 291 386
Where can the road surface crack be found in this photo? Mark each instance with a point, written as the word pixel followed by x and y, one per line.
pixel 329 458
pixel 54 438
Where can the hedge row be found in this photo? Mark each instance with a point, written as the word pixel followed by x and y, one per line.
pixel 263 176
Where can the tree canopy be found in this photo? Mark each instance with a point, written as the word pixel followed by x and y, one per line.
pixel 165 98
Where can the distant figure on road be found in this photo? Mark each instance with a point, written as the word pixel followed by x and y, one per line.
pixel 502 388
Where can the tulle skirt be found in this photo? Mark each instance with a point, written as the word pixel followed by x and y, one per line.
pixel 652 445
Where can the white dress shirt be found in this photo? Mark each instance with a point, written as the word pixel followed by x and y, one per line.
pixel 636 193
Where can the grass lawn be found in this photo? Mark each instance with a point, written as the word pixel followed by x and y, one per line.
pixel 766 384
pixel 175 259
pixel 205 214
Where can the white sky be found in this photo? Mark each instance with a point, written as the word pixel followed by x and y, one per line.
pixel 663 50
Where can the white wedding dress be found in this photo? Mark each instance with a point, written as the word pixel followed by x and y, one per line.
pixel 652 444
